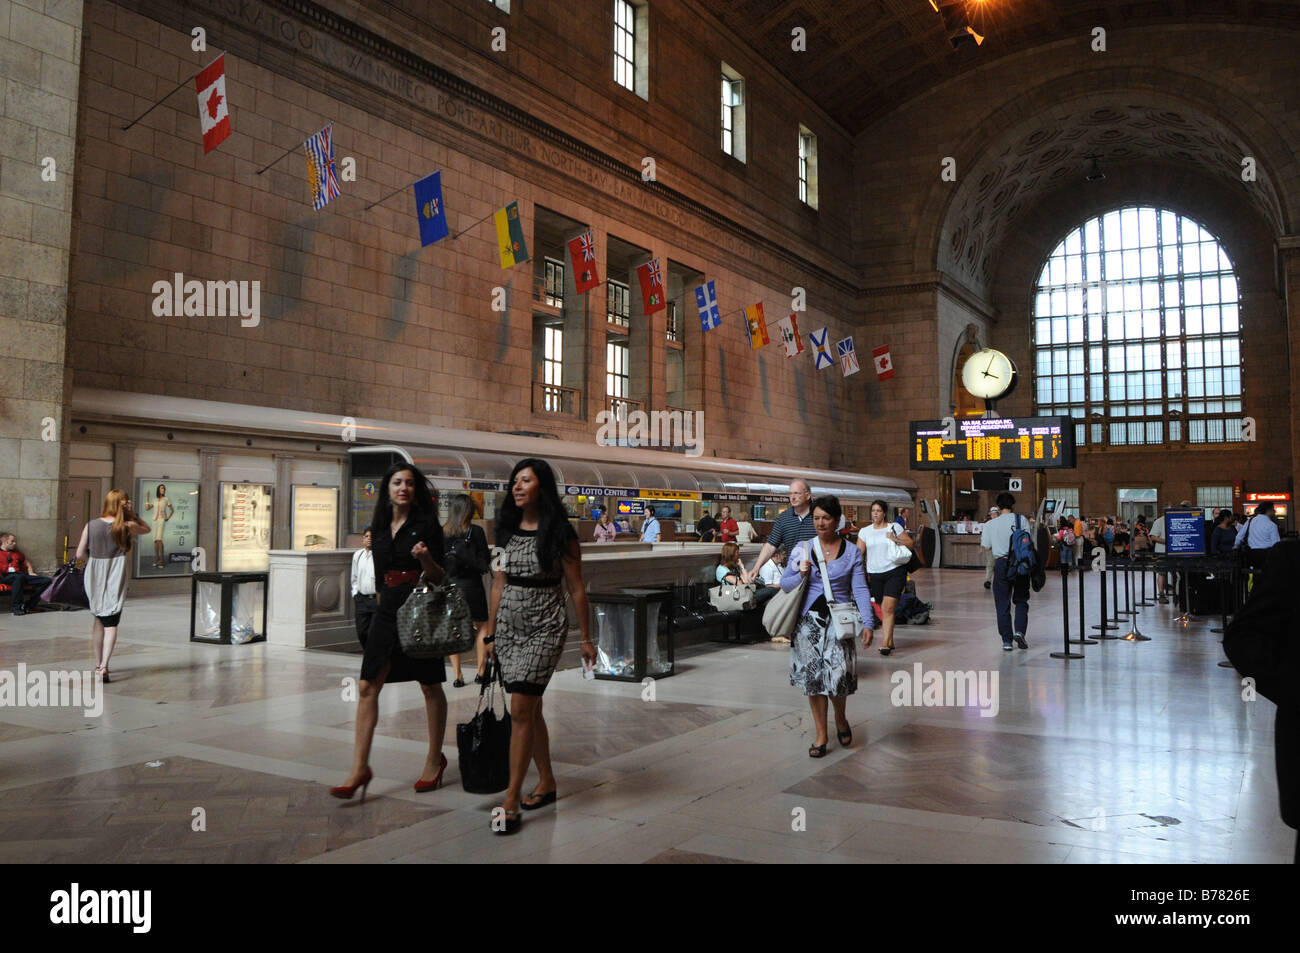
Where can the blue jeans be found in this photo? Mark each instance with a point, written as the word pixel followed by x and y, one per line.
pixel 1005 592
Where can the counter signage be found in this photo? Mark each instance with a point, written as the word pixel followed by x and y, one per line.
pixel 572 490
pixel 984 443
pixel 484 484
pixel 1268 497
pixel 1185 532
pixel 630 508
pixel 665 495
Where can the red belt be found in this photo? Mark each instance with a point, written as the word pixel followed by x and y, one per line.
pixel 393 578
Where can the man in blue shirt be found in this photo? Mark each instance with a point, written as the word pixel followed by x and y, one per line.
pixel 650 528
pixel 1259 534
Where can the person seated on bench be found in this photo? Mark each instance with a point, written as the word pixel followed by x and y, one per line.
pixel 730 571
pixel 769 574
pixel 16 571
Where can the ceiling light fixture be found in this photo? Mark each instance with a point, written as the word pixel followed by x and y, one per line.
pixel 1095 174
pixel 956 23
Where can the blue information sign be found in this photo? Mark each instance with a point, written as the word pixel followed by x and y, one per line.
pixel 1185 532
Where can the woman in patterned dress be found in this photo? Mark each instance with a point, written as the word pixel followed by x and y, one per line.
pixel 527 622
pixel 820 663
pixel 405 536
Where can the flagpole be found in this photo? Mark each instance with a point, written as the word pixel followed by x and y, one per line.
pixel 160 102
pixel 472 224
pixel 400 188
pixel 292 148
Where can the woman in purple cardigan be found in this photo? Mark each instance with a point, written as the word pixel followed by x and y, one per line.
pixel 820 663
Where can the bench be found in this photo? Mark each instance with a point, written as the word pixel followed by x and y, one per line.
pixel 692 610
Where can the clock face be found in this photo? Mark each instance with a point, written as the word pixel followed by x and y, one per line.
pixel 988 374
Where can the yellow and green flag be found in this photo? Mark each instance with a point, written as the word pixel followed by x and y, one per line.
pixel 510 236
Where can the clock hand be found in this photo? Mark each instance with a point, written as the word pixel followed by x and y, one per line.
pixel 991 360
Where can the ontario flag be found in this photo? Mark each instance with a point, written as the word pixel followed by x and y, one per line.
pixel 848 356
pixel 790 336
pixel 652 286
pixel 884 366
pixel 582 252
pixel 756 324
pixel 214 117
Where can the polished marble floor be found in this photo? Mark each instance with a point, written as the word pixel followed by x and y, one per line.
pixel 1141 752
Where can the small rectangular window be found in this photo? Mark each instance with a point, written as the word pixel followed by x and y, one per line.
pixel 807 167
pixel 733 113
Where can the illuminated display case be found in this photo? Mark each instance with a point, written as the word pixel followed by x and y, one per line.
pixel 171 508
pixel 245 527
pixel 315 519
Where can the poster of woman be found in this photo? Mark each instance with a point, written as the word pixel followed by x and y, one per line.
pixel 171 508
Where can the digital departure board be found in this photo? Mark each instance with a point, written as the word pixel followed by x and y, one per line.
pixel 993 443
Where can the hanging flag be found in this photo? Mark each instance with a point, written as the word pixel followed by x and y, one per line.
pixel 706 297
pixel 848 357
pixel 822 358
pixel 652 286
pixel 214 117
pixel 429 210
pixel 790 336
pixel 321 175
pixel 884 366
pixel 582 252
pixel 510 236
pixel 757 326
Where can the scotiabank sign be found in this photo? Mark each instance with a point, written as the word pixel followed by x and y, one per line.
pixel 1268 497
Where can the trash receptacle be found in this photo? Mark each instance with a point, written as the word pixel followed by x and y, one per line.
pixel 228 607
pixel 633 639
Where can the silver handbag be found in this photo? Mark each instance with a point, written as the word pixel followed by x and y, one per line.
pixel 846 620
pixel 435 622
pixel 727 598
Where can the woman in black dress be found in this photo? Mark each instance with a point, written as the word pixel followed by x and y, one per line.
pixel 405 535
pixel 466 549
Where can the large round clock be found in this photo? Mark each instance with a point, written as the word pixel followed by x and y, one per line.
pixel 988 374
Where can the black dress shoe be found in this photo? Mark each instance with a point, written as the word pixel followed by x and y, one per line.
pixel 20 610
pixel 988 585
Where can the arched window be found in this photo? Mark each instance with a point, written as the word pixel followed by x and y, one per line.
pixel 1136 332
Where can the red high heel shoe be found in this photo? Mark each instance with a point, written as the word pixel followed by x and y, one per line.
pixel 422 786
pixel 345 791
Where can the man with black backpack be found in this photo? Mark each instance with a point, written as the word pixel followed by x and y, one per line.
pixel 1014 565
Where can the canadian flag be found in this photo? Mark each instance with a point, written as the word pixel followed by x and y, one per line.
pixel 884 366
pixel 214 117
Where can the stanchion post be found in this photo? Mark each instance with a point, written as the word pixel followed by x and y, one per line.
pixel 1083 628
pixel 1065 618
pixel 1103 627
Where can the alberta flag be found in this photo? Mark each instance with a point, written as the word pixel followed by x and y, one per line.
pixel 706 297
pixel 848 357
pixel 821 357
pixel 652 286
pixel 429 210
pixel 214 116
pixel 321 176
pixel 790 336
pixel 582 252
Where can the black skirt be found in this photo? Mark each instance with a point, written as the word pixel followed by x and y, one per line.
pixel 475 596
pixel 383 647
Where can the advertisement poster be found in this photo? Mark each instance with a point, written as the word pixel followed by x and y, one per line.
pixel 245 527
pixel 315 517
pixel 1185 532
pixel 171 508
pixel 365 491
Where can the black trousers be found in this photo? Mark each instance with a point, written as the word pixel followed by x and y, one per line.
pixel 19 581
pixel 366 607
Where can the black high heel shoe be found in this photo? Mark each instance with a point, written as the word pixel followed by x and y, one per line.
pixel 886 649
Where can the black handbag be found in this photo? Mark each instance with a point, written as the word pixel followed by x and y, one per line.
pixel 484 741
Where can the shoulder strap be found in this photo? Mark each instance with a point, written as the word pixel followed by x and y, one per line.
pixel 826 579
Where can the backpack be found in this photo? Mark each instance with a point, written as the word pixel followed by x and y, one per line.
pixel 1067 536
pixel 1021 558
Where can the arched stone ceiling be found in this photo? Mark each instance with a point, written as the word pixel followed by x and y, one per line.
pixel 1049 153
pixel 866 58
